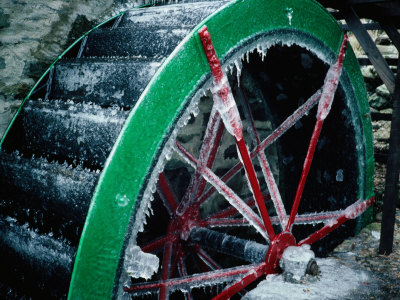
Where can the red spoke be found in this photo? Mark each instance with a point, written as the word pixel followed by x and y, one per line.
pixel 324 106
pixel 278 132
pixel 226 222
pixel 242 282
pixel 166 194
pixel 231 211
pixel 228 194
pixel 166 267
pixel 224 102
pixel 178 254
pixel 158 243
pixel 269 178
pixel 183 273
pixel 289 122
pixel 228 175
pixel 203 255
pixel 255 187
pixel 207 155
pixel 351 212
pixel 203 279
pixel 312 218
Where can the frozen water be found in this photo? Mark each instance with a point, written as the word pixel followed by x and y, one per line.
pixel 328 92
pixel 339 175
pixel 140 264
pixel 294 261
pixel 227 108
pixel 235 201
pixel 289 13
pixel 336 281
pixel 376 234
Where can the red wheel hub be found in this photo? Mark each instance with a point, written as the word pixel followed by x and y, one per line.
pixel 181 226
pixel 276 248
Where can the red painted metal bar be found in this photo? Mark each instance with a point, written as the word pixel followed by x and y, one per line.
pixel 242 283
pixel 213 154
pixel 208 278
pixel 325 103
pixel 231 211
pixel 183 273
pixel 207 154
pixel 269 178
pixel 207 259
pixel 166 264
pixel 157 244
pixel 312 218
pixel 351 212
pixel 224 102
pixel 278 132
pixel 177 254
pixel 227 192
pixel 171 202
pixel 289 122
pixel 227 222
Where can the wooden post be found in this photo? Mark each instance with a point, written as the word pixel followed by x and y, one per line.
pixel 392 174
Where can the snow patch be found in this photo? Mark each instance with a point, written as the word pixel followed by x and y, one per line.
pixel 336 281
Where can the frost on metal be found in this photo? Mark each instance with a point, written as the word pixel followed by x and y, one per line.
pixel 294 262
pixel 227 108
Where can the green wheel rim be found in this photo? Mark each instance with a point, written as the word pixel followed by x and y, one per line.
pixel 139 143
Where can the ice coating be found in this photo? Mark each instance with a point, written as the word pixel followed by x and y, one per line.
pixel 226 106
pixel 236 202
pixel 203 280
pixel 339 175
pixel 289 13
pixel 294 261
pixel 145 203
pixel 331 83
pixel 328 92
pixel 140 264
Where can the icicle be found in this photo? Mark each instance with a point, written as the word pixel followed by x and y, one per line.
pixel 238 65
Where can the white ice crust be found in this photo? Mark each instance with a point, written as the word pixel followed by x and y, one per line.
pixel 141 264
pixel 295 260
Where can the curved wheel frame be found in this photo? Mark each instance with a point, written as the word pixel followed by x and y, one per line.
pixel 127 169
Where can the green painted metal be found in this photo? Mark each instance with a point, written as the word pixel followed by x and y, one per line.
pixel 159 107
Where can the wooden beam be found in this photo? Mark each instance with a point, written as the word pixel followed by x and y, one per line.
pixel 366 42
pixel 357 2
pixel 367 26
pixel 391 30
pixel 371 11
pixel 391 196
pixel 364 61
pixel 378 116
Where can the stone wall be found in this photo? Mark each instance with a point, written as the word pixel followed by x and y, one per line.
pixel 34 33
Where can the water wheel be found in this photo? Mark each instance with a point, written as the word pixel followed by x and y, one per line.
pixel 148 173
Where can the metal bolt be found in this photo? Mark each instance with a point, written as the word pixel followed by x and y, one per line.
pixel 312 268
